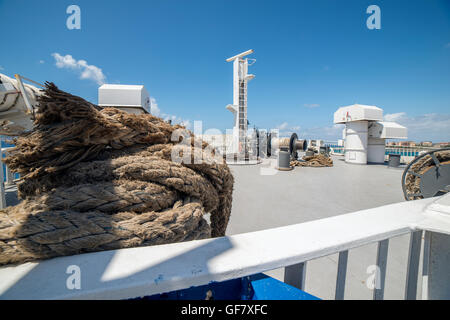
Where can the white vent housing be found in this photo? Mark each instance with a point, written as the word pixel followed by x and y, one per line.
pixel 365 133
pixel 130 98
pixel 358 112
pixel 387 130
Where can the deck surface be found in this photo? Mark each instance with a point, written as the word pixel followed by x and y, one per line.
pixel 305 194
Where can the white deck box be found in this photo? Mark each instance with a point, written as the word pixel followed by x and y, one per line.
pixel 130 98
pixel 358 112
pixel 387 130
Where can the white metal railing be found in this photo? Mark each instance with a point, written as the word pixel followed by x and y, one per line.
pixel 335 148
pixel 407 153
pixel 144 271
pixel 5 179
pixel 9 176
pixel 295 275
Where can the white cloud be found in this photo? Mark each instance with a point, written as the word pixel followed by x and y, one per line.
pixel 327 133
pixel 64 62
pixel 394 116
pixel 175 120
pixel 312 105
pixel 41 61
pixel 186 123
pixel 283 126
pixel 86 70
pixel 431 126
pixel 286 130
pixel 154 107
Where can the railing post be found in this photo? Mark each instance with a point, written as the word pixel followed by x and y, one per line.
pixel 9 176
pixel 426 264
pixel 341 275
pixel 295 275
pixel 439 266
pixel 413 265
pixel 2 183
pixel 380 274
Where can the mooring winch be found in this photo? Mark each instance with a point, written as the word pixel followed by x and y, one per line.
pixel 291 145
pixel 428 175
pixel 287 149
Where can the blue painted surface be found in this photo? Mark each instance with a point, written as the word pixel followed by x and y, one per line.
pixel 255 287
pixel 267 288
pixel 227 290
pixel 6 145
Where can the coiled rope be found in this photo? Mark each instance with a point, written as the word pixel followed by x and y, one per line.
pixel 99 179
pixel 421 166
pixel 317 160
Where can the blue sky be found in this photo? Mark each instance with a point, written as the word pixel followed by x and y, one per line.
pixel 311 57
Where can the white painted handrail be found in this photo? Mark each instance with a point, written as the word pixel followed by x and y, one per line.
pixel 129 273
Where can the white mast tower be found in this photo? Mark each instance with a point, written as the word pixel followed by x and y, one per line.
pixel 239 106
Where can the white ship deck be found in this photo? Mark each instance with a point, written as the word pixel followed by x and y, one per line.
pixel 306 194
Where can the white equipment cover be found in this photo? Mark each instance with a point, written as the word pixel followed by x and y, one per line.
pixel 14 114
pixel 358 112
pixel 129 98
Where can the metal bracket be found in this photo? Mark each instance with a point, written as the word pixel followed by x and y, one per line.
pixel 24 94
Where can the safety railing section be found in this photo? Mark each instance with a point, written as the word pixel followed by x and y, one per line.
pixel 433 222
pixel 335 148
pixel 6 172
pixel 407 153
pixel 7 178
pixel 295 275
pixel 145 271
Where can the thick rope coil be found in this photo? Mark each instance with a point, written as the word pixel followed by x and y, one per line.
pixel 99 179
pixel 412 182
pixel 317 160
